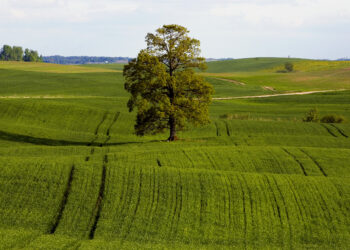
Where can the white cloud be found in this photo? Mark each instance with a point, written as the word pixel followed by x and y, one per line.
pixel 62 10
pixel 287 13
pixel 226 28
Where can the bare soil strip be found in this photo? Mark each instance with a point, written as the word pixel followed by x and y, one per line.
pixel 282 94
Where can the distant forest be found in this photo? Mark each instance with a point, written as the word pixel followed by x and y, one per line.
pixel 84 59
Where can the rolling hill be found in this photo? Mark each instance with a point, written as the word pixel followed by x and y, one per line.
pixel 73 175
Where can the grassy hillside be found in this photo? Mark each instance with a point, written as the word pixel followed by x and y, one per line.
pixel 263 74
pixel 74 176
pixel 272 64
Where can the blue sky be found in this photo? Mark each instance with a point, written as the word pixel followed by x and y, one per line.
pixel 226 28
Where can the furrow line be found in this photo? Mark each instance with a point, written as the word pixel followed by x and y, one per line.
pixel 180 204
pixel 98 206
pixel 285 209
pixel 63 201
pixel 228 187
pixel 98 128
pixel 99 125
pixel 296 159
pixel 175 210
pixel 212 162
pixel 116 116
pixel 314 161
pixel 275 200
pixel 292 187
pixel 217 129
pixel 244 214
pixel 328 130
pixel 340 131
pixel 136 205
pixel 227 129
pixel 250 201
pixel 123 199
pixel 202 201
pixel 188 157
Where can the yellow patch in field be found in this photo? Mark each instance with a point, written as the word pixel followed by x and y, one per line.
pixel 51 68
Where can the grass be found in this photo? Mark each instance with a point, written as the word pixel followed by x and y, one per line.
pixel 74 176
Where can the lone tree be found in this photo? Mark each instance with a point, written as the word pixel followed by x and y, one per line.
pixel 163 85
pixel 289 66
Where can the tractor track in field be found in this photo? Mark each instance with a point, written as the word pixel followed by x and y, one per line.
pixel 179 198
pixel 98 128
pixel 63 201
pixel 329 131
pixel 275 201
pixel 115 118
pixel 175 210
pixel 123 198
pixel 217 129
pixel 203 202
pixel 228 187
pixel 153 185
pixel 340 131
pixel 212 162
pixel 136 205
pixel 98 205
pixel 245 224
pixel 282 94
pixel 227 129
pixel 330 217
pixel 296 159
pixel 285 209
pixel 292 188
pixel 250 202
pixel 189 158
pixel 96 133
pixel 315 162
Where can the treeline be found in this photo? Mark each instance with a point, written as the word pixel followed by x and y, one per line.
pixel 16 53
pixel 84 59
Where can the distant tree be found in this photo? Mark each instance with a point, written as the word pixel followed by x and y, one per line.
pixel 6 53
pixel 164 87
pixel 31 56
pixel 311 116
pixel 289 66
pixel 17 53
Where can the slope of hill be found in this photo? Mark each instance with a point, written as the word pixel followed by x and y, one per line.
pixel 272 64
pixel 248 64
pixel 73 175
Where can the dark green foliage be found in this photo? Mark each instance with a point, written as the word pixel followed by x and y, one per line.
pixel 15 53
pixel 163 85
pixel 6 53
pixel 289 66
pixel 312 116
pixel 32 56
pixel 332 119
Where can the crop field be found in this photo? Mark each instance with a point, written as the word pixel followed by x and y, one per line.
pixel 73 175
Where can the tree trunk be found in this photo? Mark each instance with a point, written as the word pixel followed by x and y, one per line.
pixel 172 136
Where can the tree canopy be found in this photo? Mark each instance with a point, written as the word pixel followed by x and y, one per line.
pixel 15 53
pixel 164 87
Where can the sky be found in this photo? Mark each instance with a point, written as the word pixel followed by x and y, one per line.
pixel 318 29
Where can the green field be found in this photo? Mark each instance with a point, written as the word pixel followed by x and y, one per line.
pixel 74 176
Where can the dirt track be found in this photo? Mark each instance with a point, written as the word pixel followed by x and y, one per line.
pixel 282 94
